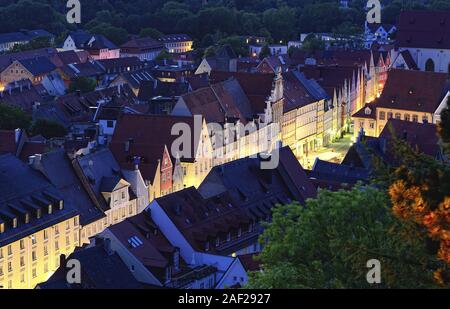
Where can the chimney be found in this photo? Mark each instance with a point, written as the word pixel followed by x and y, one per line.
pixel 136 161
pixel 62 261
pixel 107 246
pixel 35 162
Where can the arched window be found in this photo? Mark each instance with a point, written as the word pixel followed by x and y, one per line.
pixel 429 65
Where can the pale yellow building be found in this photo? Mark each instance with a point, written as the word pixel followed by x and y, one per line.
pixel 36 226
pixel 408 95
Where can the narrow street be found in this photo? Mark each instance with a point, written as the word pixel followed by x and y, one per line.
pixel 334 152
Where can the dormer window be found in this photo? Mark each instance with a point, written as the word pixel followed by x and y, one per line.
pixel 368 111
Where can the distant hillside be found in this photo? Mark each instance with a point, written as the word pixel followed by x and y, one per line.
pixel 208 21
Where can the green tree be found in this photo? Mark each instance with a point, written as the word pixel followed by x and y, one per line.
pixel 265 52
pixel 150 32
pixel 47 128
pixel 238 44
pixel 36 43
pixel 117 35
pixel 163 55
pixel 328 243
pixel 312 43
pixel 12 118
pixel 83 84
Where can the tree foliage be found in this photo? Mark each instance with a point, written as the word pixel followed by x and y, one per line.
pixel 419 189
pixel 12 118
pixel 83 84
pixel 276 20
pixel 48 129
pixel 328 243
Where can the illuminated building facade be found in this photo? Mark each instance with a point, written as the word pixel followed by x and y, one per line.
pixel 37 225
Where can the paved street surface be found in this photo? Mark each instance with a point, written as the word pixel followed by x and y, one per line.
pixel 335 152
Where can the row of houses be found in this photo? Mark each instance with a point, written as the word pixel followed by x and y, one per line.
pixel 145 48
pixel 192 238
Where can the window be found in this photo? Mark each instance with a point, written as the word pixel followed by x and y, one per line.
pixel 56 245
pixel 415 118
pixel 75 221
pixel 407 117
pixel 217 241
pixel 56 230
pixel 67 225
pixel 45 250
pixel 1 253
pixel 67 241
pixel 22 278
pixel 389 115
pixel 34 273
pixel 33 255
pixel 22 244
pixel 207 246
pixel 130 211
pixel 429 65
pixel 398 116
pixel 22 261
pixel 33 239
pixel 10 269
pixel 1 270
pixel 425 119
pixel 123 195
pixel 9 250
pixel 372 125
pixel 382 115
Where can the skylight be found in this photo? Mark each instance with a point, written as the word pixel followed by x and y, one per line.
pixel 135 242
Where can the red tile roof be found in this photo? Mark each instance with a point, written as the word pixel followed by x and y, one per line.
pixel 220 101
pixel 249 262
pixel 422 137
pixel 201 220
pixel 424 29
pixel 413 90
pixel 257 86
pixel 8 142
pixel 155 250
pixel 148 135
pixel 368 111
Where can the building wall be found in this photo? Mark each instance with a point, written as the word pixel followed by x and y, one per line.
pixel 179 47
pixel 19 270
pixel 15 72
pixel 69 44
pixel 368 125
pixel 399 114
pixel 440 57
pixel 143 56
pixel 107 54
pixel 124 208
